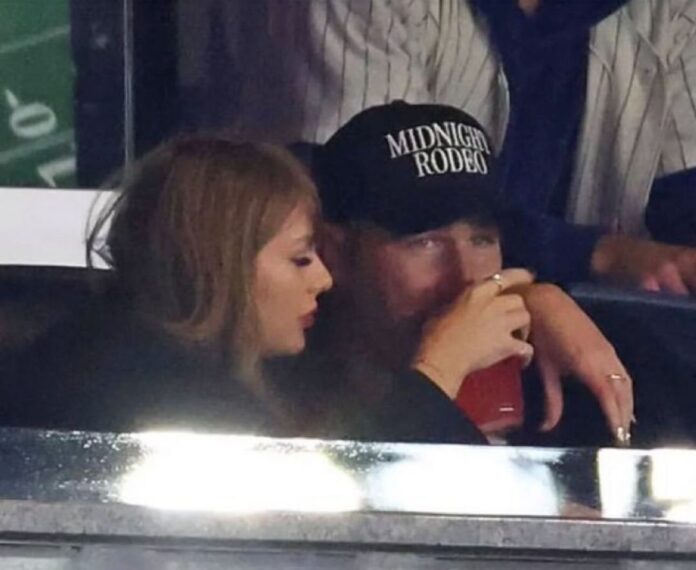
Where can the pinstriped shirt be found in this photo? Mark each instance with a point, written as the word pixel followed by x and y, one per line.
pixel 318 62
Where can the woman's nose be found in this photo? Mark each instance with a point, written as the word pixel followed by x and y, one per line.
pixel 322 280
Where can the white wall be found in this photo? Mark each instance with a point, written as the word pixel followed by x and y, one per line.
pixel 46 227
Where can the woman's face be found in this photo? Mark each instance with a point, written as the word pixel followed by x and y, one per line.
pixel 289 276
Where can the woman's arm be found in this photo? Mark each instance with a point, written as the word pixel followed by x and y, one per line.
pixel 568 343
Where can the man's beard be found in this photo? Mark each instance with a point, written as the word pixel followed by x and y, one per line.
pixel 391 341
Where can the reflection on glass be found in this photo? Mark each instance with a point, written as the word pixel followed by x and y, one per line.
pixel 243 474
pixel 673 481
pixel 188 472
pixel 185 471
pixel 446 479
pixel 618 476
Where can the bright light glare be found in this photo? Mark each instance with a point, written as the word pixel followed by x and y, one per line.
pixel 674 483
pixel 674 475
pixel 618 481
pixel 221 473
pixel 444 480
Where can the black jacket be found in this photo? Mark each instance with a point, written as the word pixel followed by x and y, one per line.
pixel 112 371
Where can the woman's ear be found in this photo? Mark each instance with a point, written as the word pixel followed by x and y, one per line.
pixel 332 245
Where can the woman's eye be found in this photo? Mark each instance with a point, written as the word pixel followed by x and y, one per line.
pixel 302 261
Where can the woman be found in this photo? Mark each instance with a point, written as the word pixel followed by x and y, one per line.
pixel 215 271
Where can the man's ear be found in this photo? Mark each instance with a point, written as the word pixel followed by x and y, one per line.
pixel 333 248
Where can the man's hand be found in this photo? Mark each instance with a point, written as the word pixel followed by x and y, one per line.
pixel 567 342
pixel 651 265
pixel 477 330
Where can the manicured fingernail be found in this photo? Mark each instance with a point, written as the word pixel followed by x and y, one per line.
pixel 623 438
pixel 526 356
pixel 634 420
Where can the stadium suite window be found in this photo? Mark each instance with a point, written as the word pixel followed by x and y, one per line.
pixel 62 100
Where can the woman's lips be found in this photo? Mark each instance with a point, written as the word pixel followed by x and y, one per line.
pixel 308 319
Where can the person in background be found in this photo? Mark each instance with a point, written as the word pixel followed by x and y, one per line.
pixel 588 103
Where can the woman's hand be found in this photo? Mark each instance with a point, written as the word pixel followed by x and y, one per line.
pixel 567 342
pixel 478 330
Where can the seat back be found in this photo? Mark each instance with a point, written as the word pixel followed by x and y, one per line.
pixel 34 299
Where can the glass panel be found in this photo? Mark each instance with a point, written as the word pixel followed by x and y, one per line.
pixel 67 124
pixel 62 99
pixel 185 471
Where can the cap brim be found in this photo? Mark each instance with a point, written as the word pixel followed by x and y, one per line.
pixel 441 207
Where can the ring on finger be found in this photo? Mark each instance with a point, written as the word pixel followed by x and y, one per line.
pixel 497 278
pixel 615 376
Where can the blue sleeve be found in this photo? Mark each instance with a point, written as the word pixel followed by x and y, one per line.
pixel 671 212
pixel 562 252
pixel 558 251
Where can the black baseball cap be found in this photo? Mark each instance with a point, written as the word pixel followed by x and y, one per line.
pixel 408 169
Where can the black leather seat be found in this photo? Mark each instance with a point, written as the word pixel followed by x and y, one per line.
pixel 33 299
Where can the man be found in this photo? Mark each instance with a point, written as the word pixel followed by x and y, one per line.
pixel 614 77
pixel 410 194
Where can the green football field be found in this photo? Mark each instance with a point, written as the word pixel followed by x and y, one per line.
pixel 37 139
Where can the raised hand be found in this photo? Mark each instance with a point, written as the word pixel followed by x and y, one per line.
pixel 479 329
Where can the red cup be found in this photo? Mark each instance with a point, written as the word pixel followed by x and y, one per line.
pixel 492 398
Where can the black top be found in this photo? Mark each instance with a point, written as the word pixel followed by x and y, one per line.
pixel 113 371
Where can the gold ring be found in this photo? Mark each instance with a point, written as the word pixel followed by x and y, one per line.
pixel 615 376
pixel 497 278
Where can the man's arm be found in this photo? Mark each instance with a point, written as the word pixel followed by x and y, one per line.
pixel 563 252
pixel 556 250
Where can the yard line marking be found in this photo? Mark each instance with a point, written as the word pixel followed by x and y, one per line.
pixel 43 143
pixel 30 41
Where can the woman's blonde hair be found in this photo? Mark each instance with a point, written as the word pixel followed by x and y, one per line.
pixel 187 228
